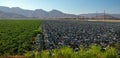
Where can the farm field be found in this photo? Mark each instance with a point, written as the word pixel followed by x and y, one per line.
pixel 105 20
pixel 60 29
pixel 73 33
pixel 60 39
pixel 16 36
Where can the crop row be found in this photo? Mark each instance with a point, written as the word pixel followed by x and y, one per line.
pixel 16 36
pixel 59 33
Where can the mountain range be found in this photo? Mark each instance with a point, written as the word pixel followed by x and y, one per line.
pixel 16 12
pixel 10 15
pixel 38 13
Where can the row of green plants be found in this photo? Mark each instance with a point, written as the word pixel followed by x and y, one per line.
pixel 16 36
pixel 66 52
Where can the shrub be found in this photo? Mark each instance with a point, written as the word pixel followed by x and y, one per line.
pixel 93 52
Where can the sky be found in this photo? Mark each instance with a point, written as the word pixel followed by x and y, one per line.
pixel 67 6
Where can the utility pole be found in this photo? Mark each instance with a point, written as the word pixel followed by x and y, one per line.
pixel 104 15
pixel 96 15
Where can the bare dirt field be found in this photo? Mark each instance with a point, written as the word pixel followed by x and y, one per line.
pixel 105 20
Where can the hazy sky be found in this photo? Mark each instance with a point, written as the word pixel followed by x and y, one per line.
pixel 67 6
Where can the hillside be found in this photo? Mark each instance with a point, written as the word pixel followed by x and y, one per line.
pixel 38 13
pixel 10 15
pixel 16 12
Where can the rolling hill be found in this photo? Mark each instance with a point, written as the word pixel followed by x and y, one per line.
pixel 10 15
pixel 16 12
